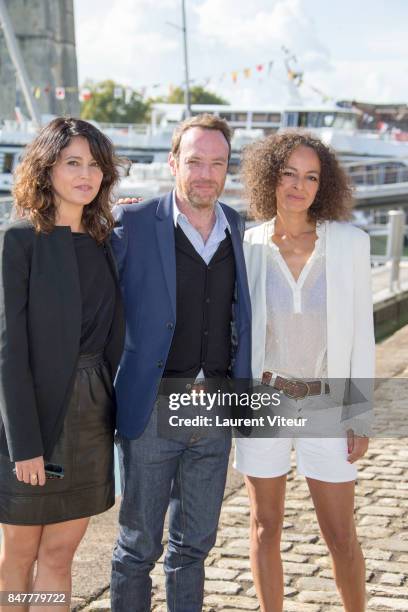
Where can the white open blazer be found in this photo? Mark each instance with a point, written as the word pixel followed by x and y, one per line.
pixel 350 328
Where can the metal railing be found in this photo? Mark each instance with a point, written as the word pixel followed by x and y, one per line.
pixel 6 203
pixel 396 236
pixel 383 174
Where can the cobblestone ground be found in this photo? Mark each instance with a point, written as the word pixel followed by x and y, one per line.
pixel 381 516
pixel 382 519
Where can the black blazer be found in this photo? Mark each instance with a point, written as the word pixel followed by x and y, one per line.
pixel 40 326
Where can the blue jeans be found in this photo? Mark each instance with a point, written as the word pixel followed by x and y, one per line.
pixel 188 477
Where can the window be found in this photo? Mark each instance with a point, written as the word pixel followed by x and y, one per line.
pixel 330 120
pixel 357 174
pixel 8 162
pixel 391 172
pixel 260 117
pixel 274 117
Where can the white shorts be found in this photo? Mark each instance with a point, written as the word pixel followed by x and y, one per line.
pixel 320 458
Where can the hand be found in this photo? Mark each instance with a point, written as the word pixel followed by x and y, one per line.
pixel 129 201
pixel 357 446
pixel 31 471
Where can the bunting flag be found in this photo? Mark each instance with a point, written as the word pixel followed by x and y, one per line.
pixel 325 98
pixel 85 94
pixel 60 93
pixel 258 71
pixel 295 76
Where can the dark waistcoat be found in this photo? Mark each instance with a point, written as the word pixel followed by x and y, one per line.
pixel 202 337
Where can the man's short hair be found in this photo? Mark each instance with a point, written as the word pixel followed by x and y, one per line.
pixel 204 121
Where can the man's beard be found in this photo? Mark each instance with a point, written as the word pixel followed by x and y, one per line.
pixel 200 200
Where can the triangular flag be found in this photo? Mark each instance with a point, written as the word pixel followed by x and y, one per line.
pixel 85 94
pixel 60 93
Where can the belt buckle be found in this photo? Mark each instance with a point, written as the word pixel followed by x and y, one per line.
pixel 296 389
pixel 197 387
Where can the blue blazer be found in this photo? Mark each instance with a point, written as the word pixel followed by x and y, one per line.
pixel 143 243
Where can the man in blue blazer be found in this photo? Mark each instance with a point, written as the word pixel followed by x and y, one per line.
pixel 188 316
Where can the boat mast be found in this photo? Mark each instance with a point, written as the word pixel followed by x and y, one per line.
pixel 187 100
pixel 17 59
pixel 183 28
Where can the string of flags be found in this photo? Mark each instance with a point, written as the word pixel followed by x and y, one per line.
pixel 125 93
pixel 85 93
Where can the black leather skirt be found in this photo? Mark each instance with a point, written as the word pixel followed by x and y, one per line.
pixel 84 449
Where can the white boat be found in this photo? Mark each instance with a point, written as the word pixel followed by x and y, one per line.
pixel 140 143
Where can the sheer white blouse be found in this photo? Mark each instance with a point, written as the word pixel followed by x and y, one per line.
pixel 296 317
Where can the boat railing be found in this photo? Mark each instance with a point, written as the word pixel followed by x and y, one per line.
pixel 389 134
pixel 381 174
pixel 126 128
pixel 17 132
pixel 394 238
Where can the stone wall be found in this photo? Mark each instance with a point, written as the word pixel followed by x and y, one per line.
pixel 45 31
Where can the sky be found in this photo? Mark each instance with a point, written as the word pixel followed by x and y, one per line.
pixel 346 49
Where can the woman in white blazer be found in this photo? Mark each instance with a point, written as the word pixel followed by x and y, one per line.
pixel 312 332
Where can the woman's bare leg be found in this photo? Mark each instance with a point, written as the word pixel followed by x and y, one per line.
pixel 334 504
pixel 267 499
pixel 57 548
pixel 18 552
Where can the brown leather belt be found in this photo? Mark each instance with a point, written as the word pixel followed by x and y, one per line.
pixel 296 389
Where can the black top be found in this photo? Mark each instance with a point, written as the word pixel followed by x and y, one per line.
pixel 205 293
pixel 97 292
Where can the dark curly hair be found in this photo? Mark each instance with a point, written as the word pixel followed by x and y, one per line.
pixel 32 190
pixel 261 170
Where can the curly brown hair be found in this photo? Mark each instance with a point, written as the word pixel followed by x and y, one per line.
pixel 33 192
pixel 263 162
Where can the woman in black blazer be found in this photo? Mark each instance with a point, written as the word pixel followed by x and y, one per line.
pixel 61 337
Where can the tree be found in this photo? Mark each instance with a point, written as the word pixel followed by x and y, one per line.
pixel 110 102
pixel 198 95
